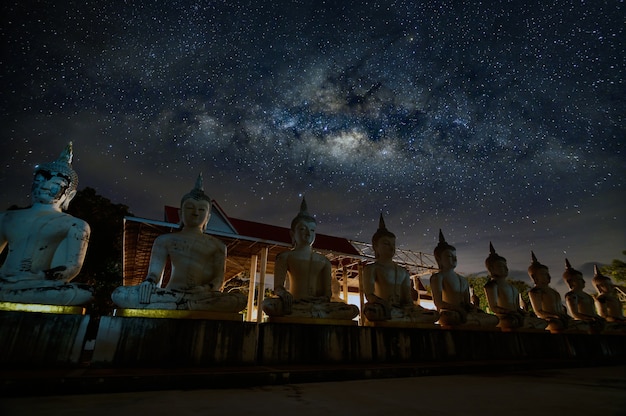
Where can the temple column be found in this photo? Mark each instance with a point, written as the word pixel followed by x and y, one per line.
pixel 253 265
pixel 264 254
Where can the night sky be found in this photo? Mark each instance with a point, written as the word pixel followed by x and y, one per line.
pixel 497 121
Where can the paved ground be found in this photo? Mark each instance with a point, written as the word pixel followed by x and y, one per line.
pixel 558 391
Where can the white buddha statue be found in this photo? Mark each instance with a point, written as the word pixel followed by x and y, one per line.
pixel 387 286
pixel 46 247
pixel 302 278
pixel 503 297
pixel 451 293
pixel 198 263
pixel 580 304
pixel 607 302
pixel 547 302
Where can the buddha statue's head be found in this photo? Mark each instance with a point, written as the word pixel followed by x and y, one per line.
pixel 195 206
pixel 496 264
pixel 445 254
pixel 539 273
pixel 56 182
pixel 572 276
pixel 383 233
pixel 303 215
pixel 302 229
pixel 602 283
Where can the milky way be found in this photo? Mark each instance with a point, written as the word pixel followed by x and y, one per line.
pixel 495 121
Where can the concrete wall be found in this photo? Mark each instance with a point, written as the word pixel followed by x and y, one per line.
pixel 306 344
pixel 31 339
pixel 39 340
pixel 176 342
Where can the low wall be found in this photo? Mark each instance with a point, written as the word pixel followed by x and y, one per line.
pixel 290 343
pixel 38 340
pixel 309 344
pixel 32 339
pixel 137 342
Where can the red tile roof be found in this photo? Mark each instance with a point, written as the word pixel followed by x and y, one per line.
pixel 274 233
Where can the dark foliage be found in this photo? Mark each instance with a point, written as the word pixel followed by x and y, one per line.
pixel 103 263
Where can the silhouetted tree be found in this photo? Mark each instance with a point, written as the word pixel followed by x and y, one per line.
pixel 103 263
pixel 477 283
pixel 616 270
pixel 523 288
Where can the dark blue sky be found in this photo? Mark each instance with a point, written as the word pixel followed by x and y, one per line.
pixel 496 121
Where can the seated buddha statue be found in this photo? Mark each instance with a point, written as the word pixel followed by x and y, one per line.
pixel 387 286
pixel 302 278
pixel 580 304
pixel 546 301
pixel 197 266
pixel 503 297
pixel 451 293
pixel 46 246
pixel 607 302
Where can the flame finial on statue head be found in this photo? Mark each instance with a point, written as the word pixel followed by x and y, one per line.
pixel 599 278
pixel 442 246
pixel 62 167
pixel 493 257
pixel 570 272
pixel 197 192
pixel 382 231
pixel 534 264
pixel 303 215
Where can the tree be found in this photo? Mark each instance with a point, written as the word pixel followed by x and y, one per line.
pixel 616 270
pixel 523 288
pixel 477 283
pixel 102 268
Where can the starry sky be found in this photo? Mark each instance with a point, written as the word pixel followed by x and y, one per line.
pixel 497 121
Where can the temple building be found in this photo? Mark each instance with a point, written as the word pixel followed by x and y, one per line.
pixel 252 248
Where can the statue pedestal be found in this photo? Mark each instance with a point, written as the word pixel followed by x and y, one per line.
pixel 310 321
pixel 177 314
pixel 521 329
pixel 36 307
pixel 399 324
pixel 33 335
pixel 471 327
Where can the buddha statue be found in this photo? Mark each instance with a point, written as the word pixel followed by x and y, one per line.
pixel 546 301
pixel 197 266
pixel 607 302
pixel 579 303
pixel 46 246
pixel 387 286
pixel 503 297
pixel 451 293
pixel 302 278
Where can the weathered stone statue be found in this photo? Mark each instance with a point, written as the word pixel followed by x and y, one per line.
pixel 503 297
pixel 302 278
pixel 46 247
pixel 546 301
pixel 579 303
pixel 451 293
pixel 607 302
pixel 198 263
pixel 387 286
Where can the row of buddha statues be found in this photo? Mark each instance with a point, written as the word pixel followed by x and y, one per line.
pixel 46 249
